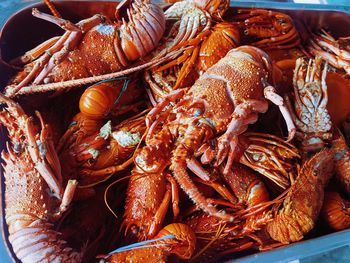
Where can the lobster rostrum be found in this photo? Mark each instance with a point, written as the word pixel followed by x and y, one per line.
pixel 223 101
pixel 35 196
pixel 89 50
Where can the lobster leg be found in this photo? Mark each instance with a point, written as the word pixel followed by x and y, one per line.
pixel 36 52
pixel 221 189
pixel 172 96
pixel 177 61
pixel 51 157
pixel 197 169
pixel 62 23
pixel 217 201
pixel 68 40
pixel 159 216
pixel 38 66
pixel 67 197
pixel 270 94
pixel 178 166
pixel 36 148
pixel 52 8
pixel 106 171
pixel 244 114
pixel 334 60
pixel 156 89
pixel 328 42
pixel 175 198
pixel 68 46
pixel 187 67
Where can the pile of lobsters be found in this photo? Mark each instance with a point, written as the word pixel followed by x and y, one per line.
pixel 173 133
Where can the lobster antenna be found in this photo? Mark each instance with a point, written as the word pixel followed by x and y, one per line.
pixel 110 80
pixel 142 244
pixel 218 233
pixel 125 87
pixel 52 8
pixel 106 191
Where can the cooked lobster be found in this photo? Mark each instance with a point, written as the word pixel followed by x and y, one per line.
pixel 213 106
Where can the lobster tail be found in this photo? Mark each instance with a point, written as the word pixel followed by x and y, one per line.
pixel 298 215
pixel 38 243
pixel 33 195
pixel 143 31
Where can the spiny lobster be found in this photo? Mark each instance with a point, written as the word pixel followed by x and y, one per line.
pixel 223 101
pixel 35 196
pixel 91 50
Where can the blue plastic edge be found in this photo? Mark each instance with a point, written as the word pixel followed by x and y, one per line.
pixel 301 249
pixel 291 6
pixel 307 248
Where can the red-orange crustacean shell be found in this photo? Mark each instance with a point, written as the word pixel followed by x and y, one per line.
pixel 182 244
pixel 304 200
pixel 336 211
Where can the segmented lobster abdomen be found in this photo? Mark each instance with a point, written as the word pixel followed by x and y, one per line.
pixel 30 204
pixel 100 49
pixel 39 243
pixel 304 200
pixel 142 32
pixel 336 211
